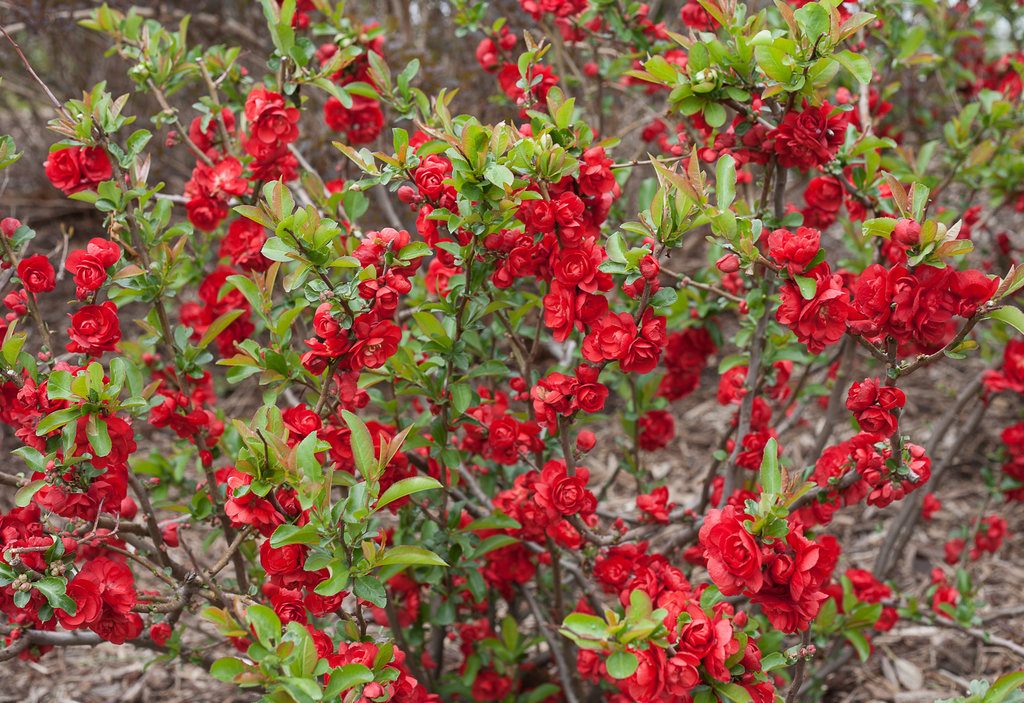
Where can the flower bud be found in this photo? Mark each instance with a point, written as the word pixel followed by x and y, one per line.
pixel 649 268
pixel 729 263
pixel 585 441
pixel 705 81
pixel 128 509
pixel 9 225
pixel 907 233
pixel 407 194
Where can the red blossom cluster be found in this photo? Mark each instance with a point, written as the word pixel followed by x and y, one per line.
pixel 786 577
pixel 74 169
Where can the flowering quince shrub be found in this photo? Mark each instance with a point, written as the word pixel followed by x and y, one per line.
pixel 412 503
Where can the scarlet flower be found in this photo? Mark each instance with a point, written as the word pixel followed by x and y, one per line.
pixel 361 122
pixel 810 137
pixel 732 386
pixel 430 175
pixel 75 169
pixel 63 170
pixel 282 562
pixel 655 505
pixel 376 341
pixel 820 321
pixel 272 125
pixel 36 274
pixel 647 682
pixel 206 213
pixel 89 266
pixel 824 193
pixel 88 605
pixel 159 633
pixel 734 558
pixel 244 245
pixel 94 329
pixel 564 494
pixel 489 685
pixel 696 17
pixel 1011 375
pixel 795 251
pixel 595 177
pixel 657 428
pixel 590 393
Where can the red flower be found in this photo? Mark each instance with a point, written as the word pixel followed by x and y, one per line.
pixel 489 685
pixel 820 321
pixel 95 165
pixel 564 494
pixel 361 122
pixel 94 329
pixel 810 137
pixel 657 428
pixel 430 175
pixel 74 169
pixel 375 341
pixel 89 266
pixel 244 245
pixel 63 170
pixel 824 193
pixel 272 125
pixel 36 274
pixel 794 251
pixel 655 505
pixel 595 177
pixel 159 633
pixel 734 558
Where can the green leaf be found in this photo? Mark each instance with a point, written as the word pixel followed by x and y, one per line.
pixel 24 494
pixel 362 445
pixel 54 589
pixel 227 668
pixel 462 397
pixel 492 543
pixel 99 437
pixel 878 227
pixel 621 665
pixel 499 175
pixel 771 475
pixel 714 115
pixel 813 20
pixel 587 626
pixel 12 347
pixel 276 249
pixel 733 692
pixel 293 534
pixel 616 248
pixel 406 487
pixel 245 286
pixel 59 386
pixel 859 642
pixel 333 585
pixel 56 420
pixel 858 66
pixel 808 286
pixel 218 326
pixel 494 521
pixel 370 588
pixel 265 624
pixel 406 554
pixel 1003 687
pixel 345 678
pixel 775 660
pixel 1010 315
pixel 725 181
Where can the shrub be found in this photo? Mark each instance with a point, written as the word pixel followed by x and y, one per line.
pixel 418 462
